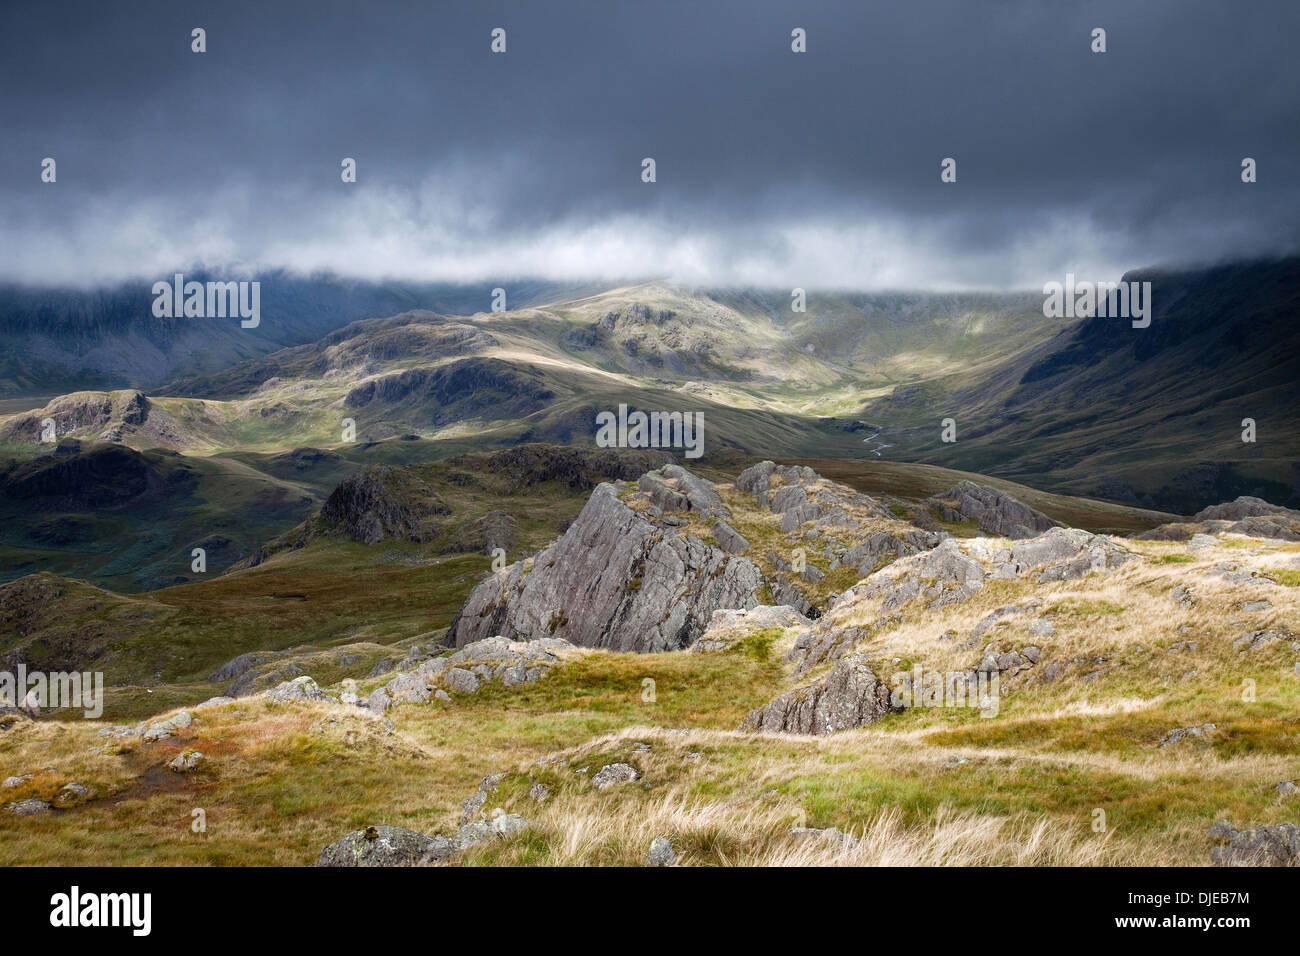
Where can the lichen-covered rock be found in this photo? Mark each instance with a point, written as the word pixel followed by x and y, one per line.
pixel 616 579
pixel 166 728
pixel 27 808
pixel 661 852
pixel 71 795
pixel 385 846
pixel 1276 844
pixel 185 761
pixel 613 774
pixel 850 696
pixel 299 689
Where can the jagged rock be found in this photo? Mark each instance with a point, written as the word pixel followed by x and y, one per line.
pixel 941 576
pixel 661 852
pixel 729 539
pixel 1245 506
pixel 998 614
pixel 615 579
pixel 384 846
pixel 613 774
pixel 993 511
pixel 239 666
pixel 1041 627
pixel 299 689
pixel 1276 844
pixel 1061 554
pixel 462 681
pixel 850 696
pixel 1201 542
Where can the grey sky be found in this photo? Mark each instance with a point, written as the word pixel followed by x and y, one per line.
pixel 774 168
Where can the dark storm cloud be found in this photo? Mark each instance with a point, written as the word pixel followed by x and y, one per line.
pixel 814 169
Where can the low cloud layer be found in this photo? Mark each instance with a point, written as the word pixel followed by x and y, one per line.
pixel 774 168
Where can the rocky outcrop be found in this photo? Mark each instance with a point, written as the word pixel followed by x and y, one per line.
pixel 942 576
pixel 492 659
pixel 397 846
pixel 726 627
pixel 101 415
pixel 850 696
pixel 993 511
pixel 1061 554
pixel 1276 844
pixel 1253 517
pixel 382 846
pixel 800 495
pixel 384 502
pixel 618 578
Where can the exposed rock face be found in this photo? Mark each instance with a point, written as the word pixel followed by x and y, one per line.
pixel 617 578
pixel 90 414
pixel 948 574
pixel 800 495
pixel 492 659
pixel 941 576
pixel 1275 844
pixel 850 696
pixel 729 539
pixel 382 501
pixel 1243 507
pixel 993 511
pixel 1250 516
pixel 1061 554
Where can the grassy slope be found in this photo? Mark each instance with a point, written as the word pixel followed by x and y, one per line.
pixel 285 779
